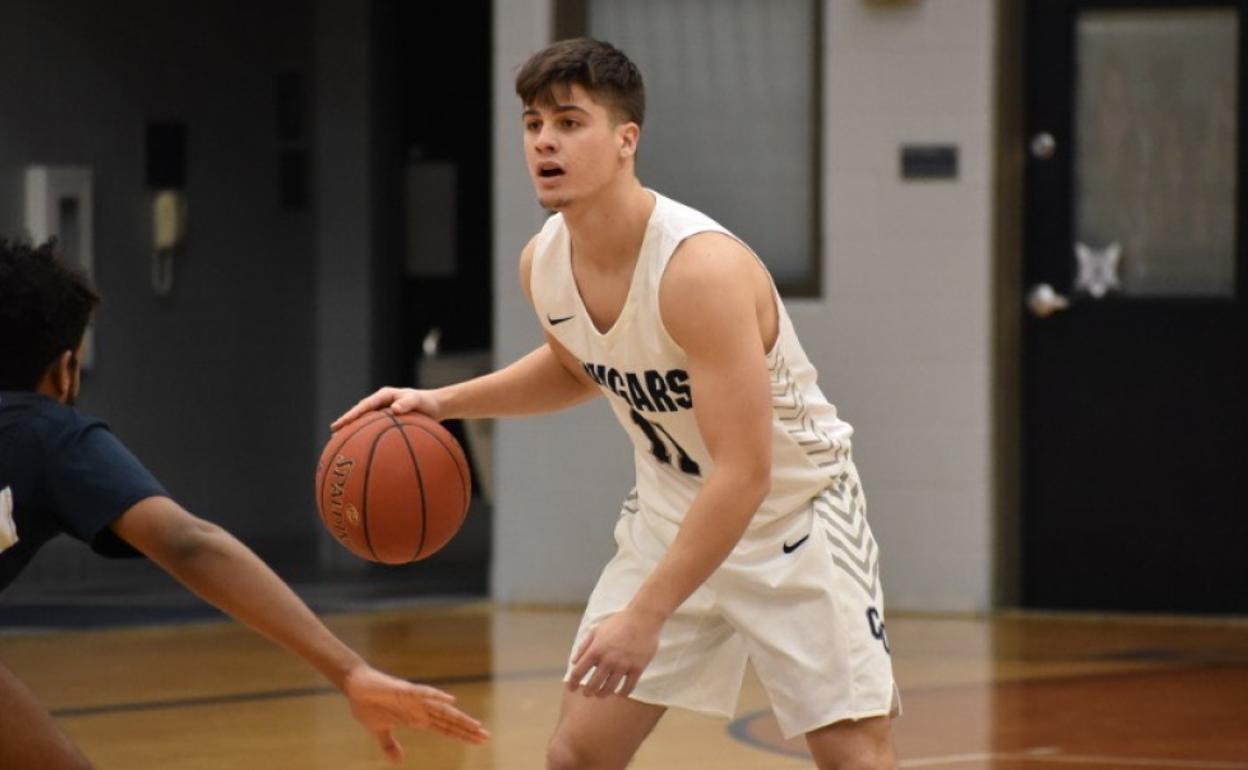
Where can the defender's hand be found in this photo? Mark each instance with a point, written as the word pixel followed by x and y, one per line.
pixel 381 703
pixel 617 650
pixel 398 400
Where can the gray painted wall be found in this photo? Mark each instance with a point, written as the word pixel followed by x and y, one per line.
pixel 213 386
pixel 901 334
pixel 560 478
pixel 344 232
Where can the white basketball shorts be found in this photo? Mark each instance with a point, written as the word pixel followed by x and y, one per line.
pixel 799 598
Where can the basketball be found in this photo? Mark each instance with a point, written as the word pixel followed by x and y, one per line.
pixel 392 488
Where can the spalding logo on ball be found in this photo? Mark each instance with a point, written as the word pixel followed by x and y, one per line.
pixel 393 488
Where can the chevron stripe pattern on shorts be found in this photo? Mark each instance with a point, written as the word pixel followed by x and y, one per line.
pixel 853 548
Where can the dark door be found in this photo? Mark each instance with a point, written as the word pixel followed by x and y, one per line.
pixel 1135 336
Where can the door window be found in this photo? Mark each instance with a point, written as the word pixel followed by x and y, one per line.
pixel 1155 152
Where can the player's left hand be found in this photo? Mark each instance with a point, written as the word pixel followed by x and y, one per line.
pixel 381 702
pixel 617 650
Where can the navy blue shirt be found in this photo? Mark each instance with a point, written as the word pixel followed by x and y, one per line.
pixel 64 472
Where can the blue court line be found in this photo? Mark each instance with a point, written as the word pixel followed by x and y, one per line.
pixel 739 729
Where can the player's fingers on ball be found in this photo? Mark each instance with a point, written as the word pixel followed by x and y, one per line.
pixel 378 398
pixel 405 403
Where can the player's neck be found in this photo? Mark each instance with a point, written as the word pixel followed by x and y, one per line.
pixel 608 228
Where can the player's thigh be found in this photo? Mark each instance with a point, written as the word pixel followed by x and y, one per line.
pixel 599 733
pixel 28 736
pixel 804 594
pixel 864 744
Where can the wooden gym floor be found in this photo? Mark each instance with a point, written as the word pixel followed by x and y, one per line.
pixel 1011 691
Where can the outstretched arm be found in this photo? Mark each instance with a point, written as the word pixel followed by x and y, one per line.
pixel 217 567
pixel 546 380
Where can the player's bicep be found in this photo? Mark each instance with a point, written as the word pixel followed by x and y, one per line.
pixel 708 307
pixel 158 528
pixel 732 400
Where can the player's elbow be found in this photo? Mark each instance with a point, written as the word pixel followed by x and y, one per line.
pixel 191 539
pixel 753 476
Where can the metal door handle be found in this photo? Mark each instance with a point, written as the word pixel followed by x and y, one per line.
pixel 1043 301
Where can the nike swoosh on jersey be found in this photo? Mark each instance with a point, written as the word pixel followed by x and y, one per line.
pixel 557 321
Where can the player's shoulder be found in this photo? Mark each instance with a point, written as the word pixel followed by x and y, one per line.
pixel 708 257
pixel 540 240
pixel 536 247
pixel 39 414
pixel 41 423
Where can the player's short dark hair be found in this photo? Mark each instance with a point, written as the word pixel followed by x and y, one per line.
pixel 600 68
pixel 44 310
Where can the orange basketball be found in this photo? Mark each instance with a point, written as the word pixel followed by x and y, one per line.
pixel 392 488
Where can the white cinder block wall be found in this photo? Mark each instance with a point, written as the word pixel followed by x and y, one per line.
pixel 560 478
pixel 901 334
pixel 902 338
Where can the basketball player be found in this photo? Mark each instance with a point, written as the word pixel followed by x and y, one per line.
pixel 745 538
pixel 64 472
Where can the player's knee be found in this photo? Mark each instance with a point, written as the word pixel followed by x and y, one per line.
pixel 564 754
pixel 863 758
pixel 864 745
pixel 560 756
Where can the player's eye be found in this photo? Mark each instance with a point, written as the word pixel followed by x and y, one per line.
pixel 569 123
pixel 533 125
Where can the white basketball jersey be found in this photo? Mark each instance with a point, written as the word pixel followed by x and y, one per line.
pixel 644 374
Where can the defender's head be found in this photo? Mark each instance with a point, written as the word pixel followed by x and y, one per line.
pixel 44 311
pixel 584 103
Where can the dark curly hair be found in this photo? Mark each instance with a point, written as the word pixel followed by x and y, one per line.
pixel 44 310
pixel 600 68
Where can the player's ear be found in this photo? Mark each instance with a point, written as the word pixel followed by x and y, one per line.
pixel 627 134
pixel 61 375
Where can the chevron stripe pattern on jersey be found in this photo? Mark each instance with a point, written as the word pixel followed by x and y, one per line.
pixel 791 409
pixel 853 548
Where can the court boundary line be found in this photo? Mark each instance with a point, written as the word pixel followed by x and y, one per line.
pixel 1072 759
pixel 736 726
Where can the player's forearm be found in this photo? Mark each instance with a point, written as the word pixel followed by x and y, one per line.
pixel 534 384
pixel 712 527
pixel 227 574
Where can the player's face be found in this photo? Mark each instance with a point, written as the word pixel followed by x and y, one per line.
pixel 573 147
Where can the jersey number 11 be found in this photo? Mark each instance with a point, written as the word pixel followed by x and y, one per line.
pixel 659 449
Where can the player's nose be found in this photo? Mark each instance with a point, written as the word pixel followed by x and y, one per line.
pixel 546 140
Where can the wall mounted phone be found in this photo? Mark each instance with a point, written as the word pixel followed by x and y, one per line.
pixel 168 230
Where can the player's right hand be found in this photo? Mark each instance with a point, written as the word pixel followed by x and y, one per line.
pixel 381 703
pixel 397 400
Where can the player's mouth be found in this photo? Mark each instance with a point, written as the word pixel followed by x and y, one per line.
pixel 550 170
